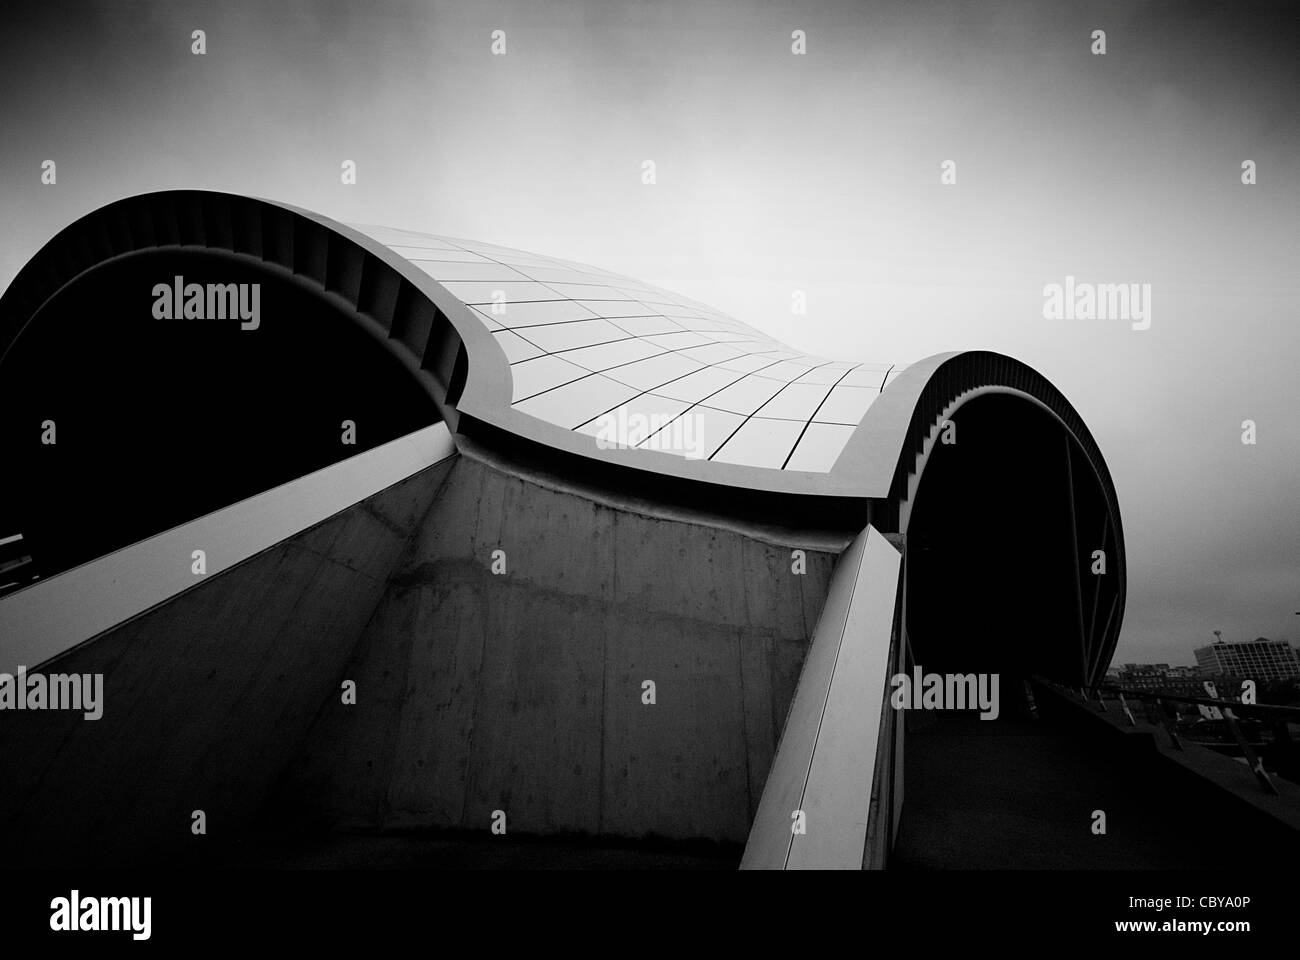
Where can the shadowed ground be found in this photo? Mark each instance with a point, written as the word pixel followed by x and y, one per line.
pixel 1015 793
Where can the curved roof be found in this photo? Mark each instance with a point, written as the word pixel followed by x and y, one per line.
pixel 544 348
pixel 612 358
pixel 582 352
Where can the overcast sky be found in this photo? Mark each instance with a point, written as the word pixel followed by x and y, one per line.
pixel 776 173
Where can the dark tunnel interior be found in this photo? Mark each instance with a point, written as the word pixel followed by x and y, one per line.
pixel 994 565
pixel 159 421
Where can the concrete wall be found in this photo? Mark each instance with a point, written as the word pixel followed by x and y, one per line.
pixel 206 696
pixel 830 748
pixel 476 692
pixel 523 691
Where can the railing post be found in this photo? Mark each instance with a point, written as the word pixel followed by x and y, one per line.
pixel 1029 697
pixel 1169 727
pixel 1123 705
pixel 1251 758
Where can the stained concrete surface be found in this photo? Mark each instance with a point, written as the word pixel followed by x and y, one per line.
pixel 475 691
pixel 522 691
pixel 206 696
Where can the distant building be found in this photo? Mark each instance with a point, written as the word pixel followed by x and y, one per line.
pixel 1144 676
pixel 1258 659
pixel 1182 681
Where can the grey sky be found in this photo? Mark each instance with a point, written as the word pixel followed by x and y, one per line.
pixel 778 172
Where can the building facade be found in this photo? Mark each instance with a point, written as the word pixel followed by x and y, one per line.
pixel 379 530
pixel 1259 659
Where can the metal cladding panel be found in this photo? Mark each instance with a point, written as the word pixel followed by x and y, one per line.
pixel 827 755
pixel 590 351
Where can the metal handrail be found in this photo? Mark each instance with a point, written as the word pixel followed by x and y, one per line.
pixel 1229 708
pixel 1272 711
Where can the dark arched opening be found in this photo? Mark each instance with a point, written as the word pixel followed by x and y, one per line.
pixel 1000 583
pixel 999 546
pixel 158 421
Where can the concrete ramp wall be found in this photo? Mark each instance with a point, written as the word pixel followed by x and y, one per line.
pixel 206 696
pixel 523 690
pixel 816 808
